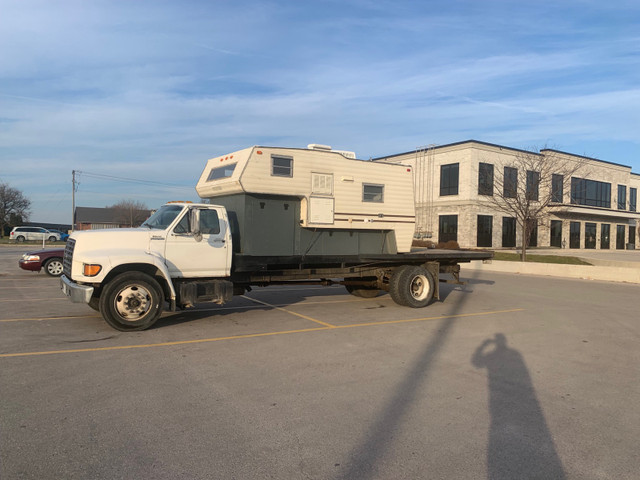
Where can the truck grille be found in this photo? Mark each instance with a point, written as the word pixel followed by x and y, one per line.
pixel 68 257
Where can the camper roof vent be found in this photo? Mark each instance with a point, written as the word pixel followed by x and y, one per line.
pixel 327 148
pixel 317 146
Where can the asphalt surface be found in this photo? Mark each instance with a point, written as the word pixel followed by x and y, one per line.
pixel 506 377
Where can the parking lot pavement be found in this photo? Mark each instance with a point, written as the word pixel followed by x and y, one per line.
pixel 506 377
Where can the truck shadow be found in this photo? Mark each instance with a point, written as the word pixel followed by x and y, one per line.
pixel 520 443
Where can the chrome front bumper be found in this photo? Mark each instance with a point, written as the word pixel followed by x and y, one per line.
pixel 76 293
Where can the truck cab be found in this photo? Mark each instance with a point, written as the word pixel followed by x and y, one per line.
pixel 126 274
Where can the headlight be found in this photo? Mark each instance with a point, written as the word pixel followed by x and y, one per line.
pixel 30 258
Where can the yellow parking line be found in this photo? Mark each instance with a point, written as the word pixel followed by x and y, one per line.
pixel 199 310
pixel 289 311
pixel 255 335
pixel 41 319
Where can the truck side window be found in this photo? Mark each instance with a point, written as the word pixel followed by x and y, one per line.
pixel 281 166
pixel 209 223
pixel 372 193
pixel 183 225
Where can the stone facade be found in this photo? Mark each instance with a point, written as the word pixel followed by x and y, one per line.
pixel 588 215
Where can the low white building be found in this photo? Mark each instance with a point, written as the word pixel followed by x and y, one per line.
pixel 596 208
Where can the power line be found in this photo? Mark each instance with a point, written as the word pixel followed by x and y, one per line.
pixel 130 180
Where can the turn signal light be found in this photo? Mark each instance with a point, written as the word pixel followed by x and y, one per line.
pixel 91 270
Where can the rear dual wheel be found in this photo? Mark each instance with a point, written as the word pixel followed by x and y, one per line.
pixel 411 286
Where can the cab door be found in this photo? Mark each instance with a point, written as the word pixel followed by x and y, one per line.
pixel 199 245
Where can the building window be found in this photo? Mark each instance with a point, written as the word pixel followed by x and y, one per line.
pixel 633 197
pixel 557 188
pixel 605 236
pixel 574 235
pixel 533 184
pixel 590 193
pixel 508 232
pixel 485 231
pixel 449 179
pixel 281 166
pixel 510 182
pixel 556 233
pixel 632 234
pixel 448 230
pixel 533 234
pixel 590 235
pixel 485 179
pixel 622 197
pixel 620 237
pixel 372 193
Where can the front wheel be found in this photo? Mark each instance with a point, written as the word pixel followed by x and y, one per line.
pixel 412 286
pixel 53 267
pixel 52 239
pixel 131 301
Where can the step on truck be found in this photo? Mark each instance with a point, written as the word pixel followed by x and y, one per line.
pixel 270 216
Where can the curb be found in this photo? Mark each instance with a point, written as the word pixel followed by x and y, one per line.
pixel 627 274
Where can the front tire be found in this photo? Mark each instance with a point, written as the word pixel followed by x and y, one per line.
pixel 131 301
pixel 53 267
pixel 412 286
pixel 52 239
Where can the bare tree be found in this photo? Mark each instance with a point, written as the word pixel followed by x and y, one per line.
pixel 532 186
pixel 130 212
pixel 14 207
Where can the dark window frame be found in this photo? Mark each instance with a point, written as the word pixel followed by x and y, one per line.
pixel 555 234
pixel 281 170
pixel 557 188
pixel 370 196
pixel 533 186
pixel 633 199
pixel 450 224
pixel 509 236
pixel 484 231
pixel 449 179
pixel 591 193
pixel 622 197
pixel 510 183
pixel 485 179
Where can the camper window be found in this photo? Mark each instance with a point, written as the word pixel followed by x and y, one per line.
pixel 221 172
pixel 372 193
pixel 281 166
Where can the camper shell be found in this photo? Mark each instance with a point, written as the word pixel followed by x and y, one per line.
pixel 314 201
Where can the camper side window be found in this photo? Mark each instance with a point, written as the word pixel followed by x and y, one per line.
pixel 372 193
pixel 281 166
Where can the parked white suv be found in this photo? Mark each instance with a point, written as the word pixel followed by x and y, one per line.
pixel 20 234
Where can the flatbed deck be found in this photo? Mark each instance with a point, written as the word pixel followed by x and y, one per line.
pixel 249 264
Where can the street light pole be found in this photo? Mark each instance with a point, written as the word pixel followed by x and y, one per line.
pixel 73 200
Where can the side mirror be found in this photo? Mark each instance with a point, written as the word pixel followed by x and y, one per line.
pixel 194 224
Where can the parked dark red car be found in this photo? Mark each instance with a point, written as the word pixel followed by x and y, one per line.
pixel 50 260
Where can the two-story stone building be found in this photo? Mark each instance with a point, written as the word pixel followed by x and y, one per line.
pixel 593 208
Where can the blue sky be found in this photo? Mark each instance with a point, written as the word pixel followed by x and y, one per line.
pixel 152 89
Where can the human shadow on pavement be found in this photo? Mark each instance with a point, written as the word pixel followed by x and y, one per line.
pixel 520 443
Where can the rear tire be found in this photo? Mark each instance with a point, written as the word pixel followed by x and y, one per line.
pixel 363 292
pixel 412 286
pixel 53 267
pixel 131 301
pixel 20 238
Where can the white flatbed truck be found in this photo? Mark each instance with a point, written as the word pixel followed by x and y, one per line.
pixel 339 220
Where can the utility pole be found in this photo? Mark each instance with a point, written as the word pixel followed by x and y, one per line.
pixel 73 200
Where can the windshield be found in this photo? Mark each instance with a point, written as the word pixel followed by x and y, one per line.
pixel 163 217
